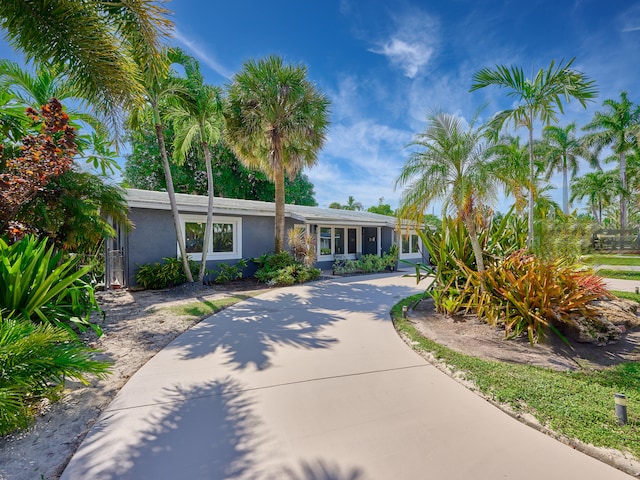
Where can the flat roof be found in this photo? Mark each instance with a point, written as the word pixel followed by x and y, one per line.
pixel 234 206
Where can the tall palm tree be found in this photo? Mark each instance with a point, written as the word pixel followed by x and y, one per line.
pixel 158 88
pixel 352 204
pixel 598 188
pixel 619 128
pixel 92 41
pixel 450 164
pixel 562 150
pixel 196 114
pixel 540 99
pixel 510 164
pixel 276 120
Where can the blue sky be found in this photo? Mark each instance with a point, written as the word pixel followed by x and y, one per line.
pixel 385 64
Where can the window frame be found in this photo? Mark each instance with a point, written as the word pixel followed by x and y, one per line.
pixel 418 244
pixel 345 241
pixel 236 223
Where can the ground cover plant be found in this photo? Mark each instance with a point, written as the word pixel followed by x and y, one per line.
pixel 575 404
pixel 367 263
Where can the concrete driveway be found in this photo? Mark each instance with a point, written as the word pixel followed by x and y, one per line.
pixel 312 383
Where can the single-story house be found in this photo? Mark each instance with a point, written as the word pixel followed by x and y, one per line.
pixel 244 229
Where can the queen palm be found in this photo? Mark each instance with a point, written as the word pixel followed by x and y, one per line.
pixel 561 151
pixel 158 88
pixel 598 188
pixel 276 120
pixel 450 164
pixel 196 114
pixel 540 99
pixel 619 128
pixel 91 41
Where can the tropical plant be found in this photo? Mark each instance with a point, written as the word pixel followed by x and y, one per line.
pixel 598 188
pixel 227 273
pixel 619 128
pixel 282 269
pixel 196 113
pixel 157 276
pixel 539 99
pixel 92 43
pixel 42 287
pixel 450 163
pixel 276 120
pixel 36 360
pixel 156 89
pixel 303 245
pixel 562 151
pixel 510 164
pixel 528 295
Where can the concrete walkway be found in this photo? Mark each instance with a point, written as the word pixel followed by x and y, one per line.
pixel 312 383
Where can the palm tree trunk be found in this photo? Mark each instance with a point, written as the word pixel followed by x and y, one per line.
pixel 475 246
pixel 172 194
pixel 209 228
pixel 565 187
pixel 531 186
pixel 279 223
pixel 623 194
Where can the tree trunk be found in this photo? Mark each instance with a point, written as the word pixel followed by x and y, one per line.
pixel 531 187
pixel 172 196
pixel 623 194
pixel 209 228
pixel 475 246
pixel 565 187
pixel 279 222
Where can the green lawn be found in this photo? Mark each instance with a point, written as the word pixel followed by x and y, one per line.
pixel 611 260
pixel 628 295
pixel 622 274
pixel 204 308
pixel 575 404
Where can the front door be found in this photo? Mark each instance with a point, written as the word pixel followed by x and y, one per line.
pixel 369 240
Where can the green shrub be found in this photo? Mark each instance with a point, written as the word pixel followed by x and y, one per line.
pixel 34 360
pixel 156 276
pixel 282 269
pixel 227 273
pixel 38 285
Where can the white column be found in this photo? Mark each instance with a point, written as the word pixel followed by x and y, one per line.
pixel 379 241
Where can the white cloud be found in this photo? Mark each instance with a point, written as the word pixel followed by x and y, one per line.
pixel 202 55
pixel 413 44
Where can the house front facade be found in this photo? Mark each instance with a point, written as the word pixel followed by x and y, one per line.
pixel 243 229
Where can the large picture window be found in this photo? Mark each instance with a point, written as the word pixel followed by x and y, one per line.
pixel 225 242
pixel 410 245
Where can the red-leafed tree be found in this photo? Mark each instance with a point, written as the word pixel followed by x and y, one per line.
pixel 44 156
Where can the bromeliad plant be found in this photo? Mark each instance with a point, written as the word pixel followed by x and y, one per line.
pixel 526 294
pixel 42 287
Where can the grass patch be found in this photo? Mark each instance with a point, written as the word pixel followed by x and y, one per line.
pixel 622 274
pixel 203 308
pixel 575 404
pixel 628 295
pixel 611 260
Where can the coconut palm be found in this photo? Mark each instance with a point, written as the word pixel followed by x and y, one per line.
pixel 92 42
pixel 276 120
pixel 196 114
pixel 619 128
pixel 561 151
pixel 598 188
pixel 157 88
pixel 450 164
pixel 539 99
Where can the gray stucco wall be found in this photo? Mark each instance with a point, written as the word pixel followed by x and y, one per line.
pixel 153 239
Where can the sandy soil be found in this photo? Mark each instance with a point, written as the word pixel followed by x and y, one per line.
pixel 137 325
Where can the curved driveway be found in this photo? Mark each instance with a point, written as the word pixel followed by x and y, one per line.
pixel 312 383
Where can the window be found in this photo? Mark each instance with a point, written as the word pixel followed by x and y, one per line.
pixel 225 242
pixel 338 241
pixel 410 245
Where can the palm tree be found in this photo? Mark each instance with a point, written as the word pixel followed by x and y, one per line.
pixel 450 164
pixel 156 89
pixel 562 150
pixel 352 204
pixel 276 120
pixel 509 163
pixel 618 127
pixel 539 99
pixel 91 42
pixel 196 114
pixel 598 188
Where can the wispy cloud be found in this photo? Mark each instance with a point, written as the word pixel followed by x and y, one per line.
pixel 413 43
pixel 205 57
